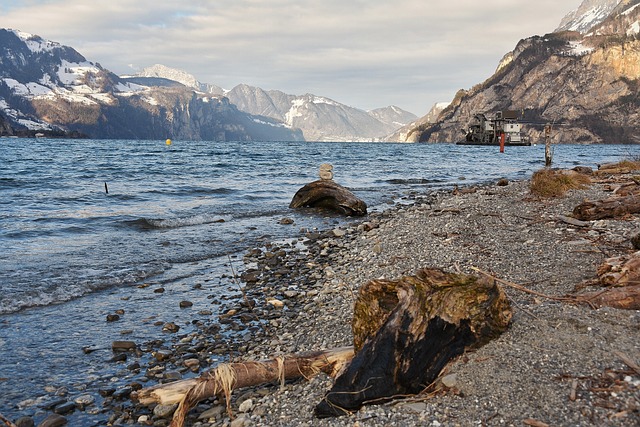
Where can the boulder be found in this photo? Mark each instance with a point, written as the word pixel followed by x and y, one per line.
pixel 330 195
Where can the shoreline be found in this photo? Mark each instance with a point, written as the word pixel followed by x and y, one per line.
pixel 527 373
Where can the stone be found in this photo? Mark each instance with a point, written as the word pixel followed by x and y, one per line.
pixel 192 363
pixel 25 422
pixel 327 194
pixel 186 304
pixel 246 406
pixel 170 327
pixel 53 420
pixel 165 411
pixel 123 346
pixel 326 172
pixel 65 408
pixel 276 303
pixel 212 413
pixel 503 182
pixel 162 355
pixel 450 380
pixel 286 221
pixel 338 232
pixel 122 393
pixel 240 422
pixel 417 407
pixel 84 400
pixel 112 317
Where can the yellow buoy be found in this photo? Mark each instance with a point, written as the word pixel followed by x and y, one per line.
pixel 168 142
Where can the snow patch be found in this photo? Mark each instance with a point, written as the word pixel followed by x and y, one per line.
pixel 70 73
pixel 578 49
pixel 294 111
pixel 35 44
pixel 634 29
pixel 321 100
pixel 631 9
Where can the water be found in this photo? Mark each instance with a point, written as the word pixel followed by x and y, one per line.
pixel 177 216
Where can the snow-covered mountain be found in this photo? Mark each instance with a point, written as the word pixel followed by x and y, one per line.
pixel 585 75
pixel 50 88
pixel 164 72
pixel 589 14
pixel 318 117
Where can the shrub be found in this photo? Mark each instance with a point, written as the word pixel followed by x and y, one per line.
pixel 555 183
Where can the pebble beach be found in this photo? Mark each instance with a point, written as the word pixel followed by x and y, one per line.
pixel 558 364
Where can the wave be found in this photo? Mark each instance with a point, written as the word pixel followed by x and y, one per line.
pixel 50 292
pixel 168 223
pixel 413 181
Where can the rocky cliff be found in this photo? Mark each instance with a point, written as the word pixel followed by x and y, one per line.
pixel 49 88
pixel 587 85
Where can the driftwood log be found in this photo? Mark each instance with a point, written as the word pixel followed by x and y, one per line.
pixel 620 276
pixel 328 194
pixel 230 376
pixel 625 201
pixel 406 331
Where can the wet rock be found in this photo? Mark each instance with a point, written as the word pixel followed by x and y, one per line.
pixel 120 357
pixel 170 327
pixel 503 182
pixel 53 420
pixel 84 401
pixel 286 221
pixel 122 393
pixel 106 392
pixel 112 317
pixel 158 290
pixel 117 346
pixel 162 355
pixel 172 376
pixel 25 422
pixel 186 304
pixel 65 408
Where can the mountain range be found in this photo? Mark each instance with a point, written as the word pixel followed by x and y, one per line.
pixel 583 79
pixel 50 89
pixel 318 117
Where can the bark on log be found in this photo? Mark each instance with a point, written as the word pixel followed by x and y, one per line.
pixel 613 207
pixel 406 331
pixel 626 298
pixel 227 377
pixel 621 276
pixel 329 195
pixel 620 271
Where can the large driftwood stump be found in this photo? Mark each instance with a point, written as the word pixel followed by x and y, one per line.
pixel 328 194
pixel 406 331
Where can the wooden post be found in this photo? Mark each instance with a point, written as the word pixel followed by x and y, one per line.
pixel 548 156
pixel 502 142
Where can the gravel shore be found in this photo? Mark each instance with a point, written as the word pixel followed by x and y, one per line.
pixel 559 364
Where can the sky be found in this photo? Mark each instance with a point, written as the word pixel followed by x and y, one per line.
pixel 364 53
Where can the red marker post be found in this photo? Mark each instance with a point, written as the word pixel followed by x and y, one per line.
pixel 502 142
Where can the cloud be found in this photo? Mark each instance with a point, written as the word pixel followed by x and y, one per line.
pixel 366 53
